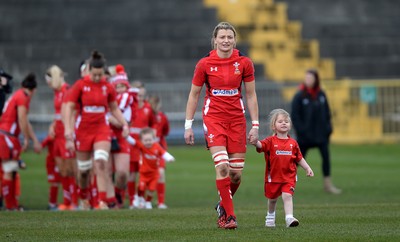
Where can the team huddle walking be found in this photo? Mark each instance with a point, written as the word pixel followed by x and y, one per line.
pixel 88 149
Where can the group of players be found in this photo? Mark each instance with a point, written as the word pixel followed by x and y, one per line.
pixel 106 139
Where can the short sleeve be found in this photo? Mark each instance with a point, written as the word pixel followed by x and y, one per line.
pixel 22 100
pixel 73 93
pixel 112 94
pixel 248 72
pixel 200 75
pixel 264 146
pixel 160 149
pixel 297 155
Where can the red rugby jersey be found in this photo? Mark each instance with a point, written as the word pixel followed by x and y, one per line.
pixel 9 118
pixel 150 157
pixel 223 78
pixel 58 101
pixel 281 158
pixel 144 118
pixel 94 98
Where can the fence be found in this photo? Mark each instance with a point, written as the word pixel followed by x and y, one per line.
pixel 362 111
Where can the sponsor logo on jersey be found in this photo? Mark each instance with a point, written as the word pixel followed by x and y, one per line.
pixel 222 92
pixel 150 157
pixel 283 152
pixel 214 68
pixel 94 109
pixel 237 71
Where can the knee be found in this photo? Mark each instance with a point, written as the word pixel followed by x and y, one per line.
pixel 223 170
pixel 236 177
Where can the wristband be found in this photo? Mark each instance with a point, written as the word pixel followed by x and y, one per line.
pixel 188 123
pixel 255 124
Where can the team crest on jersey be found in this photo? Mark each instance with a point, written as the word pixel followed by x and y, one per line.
pixel 104 88
pixel 211 137
pixel 237 71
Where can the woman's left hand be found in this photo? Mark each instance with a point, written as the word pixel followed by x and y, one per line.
pixel 253 136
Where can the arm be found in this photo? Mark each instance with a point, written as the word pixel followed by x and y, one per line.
pixel 119 117
pixel 303 163
pixel 67 112
pixel 23 125
pixel 114 121
pixel 190 111
pixel 252 105
pixel 37 146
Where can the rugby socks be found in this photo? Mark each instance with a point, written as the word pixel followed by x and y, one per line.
pixel 53 194
pixel 161 192
pixel 131 191
pixel 84 193
pixel 73 189
pixel 94 195
pixel 223 186
pixel 65 182
pixel 234 187
pixel 9 194
pixel 120 194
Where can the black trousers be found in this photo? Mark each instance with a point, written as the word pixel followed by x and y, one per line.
pixel 324 151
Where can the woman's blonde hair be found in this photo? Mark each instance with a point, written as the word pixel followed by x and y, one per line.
pixel 221 25
pixel 273 116
pixel 56 76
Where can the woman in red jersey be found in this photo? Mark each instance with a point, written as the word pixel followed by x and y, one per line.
pixel 13 122
pixel 93 134
pixel 64 158
pixel 223 71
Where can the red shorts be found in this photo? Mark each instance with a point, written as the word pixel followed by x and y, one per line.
pixel 59 149
pixel 86 138
pixel 134 166
pixel 10 148
pixel 274 190
pixel 231 135
pixel 148 181
pixel 124 146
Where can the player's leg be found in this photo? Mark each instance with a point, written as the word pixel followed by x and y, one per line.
pixel 151 188
pixel 102 170
pixel 65 182
pixel 287 197
pixel 121 163
pixel 8 184
pixel 132 184
pixel 161 186
pixel 85 165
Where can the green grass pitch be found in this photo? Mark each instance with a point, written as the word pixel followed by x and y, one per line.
pixel 368 209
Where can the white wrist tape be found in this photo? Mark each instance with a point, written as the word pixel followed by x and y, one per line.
pixel 168 157
pixel 188 123
pixel 255 124
pixel 131 140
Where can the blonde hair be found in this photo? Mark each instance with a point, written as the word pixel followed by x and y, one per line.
pixel 273 116
pixel 221 25
pixel 147 131
pixel 56 76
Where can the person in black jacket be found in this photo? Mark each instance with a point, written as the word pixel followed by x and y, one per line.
pixel 311 118
pixel 5 87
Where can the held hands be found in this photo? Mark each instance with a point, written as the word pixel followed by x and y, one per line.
pixel 253 136
pixel 37 146
pixel 25 144
pixel 125 131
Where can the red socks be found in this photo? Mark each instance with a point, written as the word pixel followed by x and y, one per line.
pixel 9 194
pixel 131 191
pixel 53 194
pixel 161 193
pixel 65 182
pixel 234 187
pixel 223 186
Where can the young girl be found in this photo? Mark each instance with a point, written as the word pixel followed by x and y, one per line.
pixel 282 154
